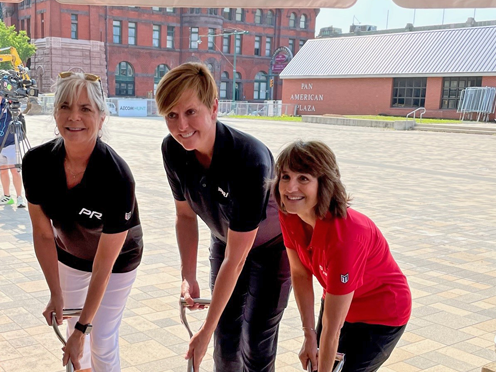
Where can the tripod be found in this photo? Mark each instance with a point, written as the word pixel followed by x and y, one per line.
pixel 14 130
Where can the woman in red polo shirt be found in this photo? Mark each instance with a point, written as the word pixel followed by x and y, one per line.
pixel 367 301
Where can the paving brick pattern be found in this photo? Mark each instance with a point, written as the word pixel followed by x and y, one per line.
pixel 433 195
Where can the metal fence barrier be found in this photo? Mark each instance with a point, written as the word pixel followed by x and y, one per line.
pixel 477 101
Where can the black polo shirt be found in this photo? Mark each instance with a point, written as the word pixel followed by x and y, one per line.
pixel 233 193
pixel 103 202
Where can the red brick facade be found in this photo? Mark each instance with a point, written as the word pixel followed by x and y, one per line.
pixel 51 26
pixel 366 96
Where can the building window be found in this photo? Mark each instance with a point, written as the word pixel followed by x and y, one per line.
pixel 195 10
pixel 258 16
pixel 27 3
pixel 42 19
pixel 292 45
pixel 257 45
pixel 131 33
pixel 124 79
pixel 453 87
pixel 238 42
pixel 74 26
pixel 260 86
pixel 303 22
pixel 268 46
pixel 292 20
pixel 160 71
pixel 117 32
pixel 409 92
pixel 223 85
pixel 226 44
pixel 301 43
pixel 269 18
pixel 212 11
pixel 193 37
pixel 155 8
pixel 28 27
pixel 170 37
pixel 169 10
pixel 227 13
pixel 240 15
pixel 211 38
pixel 156 36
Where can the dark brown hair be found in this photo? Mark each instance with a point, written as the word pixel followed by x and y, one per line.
pixel 318 160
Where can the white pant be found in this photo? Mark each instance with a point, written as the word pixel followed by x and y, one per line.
pixel 101 347
pixel 8 155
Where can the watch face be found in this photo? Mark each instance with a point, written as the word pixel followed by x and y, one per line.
pixel 89 327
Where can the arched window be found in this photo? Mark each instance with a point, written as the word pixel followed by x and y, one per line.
pixel 240 15
pixel 160 71
pixel 260 86
pixel 124 79
pixel 258 16
pixel 210 67
pixel 303 22
pixel 269 18
pixel 292 20
pixel 224 79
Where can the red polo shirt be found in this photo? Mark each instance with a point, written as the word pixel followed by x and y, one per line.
pixel 350 254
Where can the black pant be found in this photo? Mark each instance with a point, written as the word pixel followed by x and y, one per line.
pixel 366 346
pixel 246 337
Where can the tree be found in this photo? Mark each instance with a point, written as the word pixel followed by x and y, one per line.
pixel 9 37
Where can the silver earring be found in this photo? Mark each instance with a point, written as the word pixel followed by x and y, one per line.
pixel 100 133
pixel 56 131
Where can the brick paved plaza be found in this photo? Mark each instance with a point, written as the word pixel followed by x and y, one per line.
pixel 433 195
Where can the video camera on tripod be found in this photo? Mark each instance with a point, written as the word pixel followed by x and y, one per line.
pixel 14 87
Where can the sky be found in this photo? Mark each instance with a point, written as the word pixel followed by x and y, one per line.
pixel 385 14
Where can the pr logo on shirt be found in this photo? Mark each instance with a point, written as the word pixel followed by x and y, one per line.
pixel 345 278
pixel 91 214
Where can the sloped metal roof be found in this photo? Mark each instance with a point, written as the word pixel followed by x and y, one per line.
pixel 462 51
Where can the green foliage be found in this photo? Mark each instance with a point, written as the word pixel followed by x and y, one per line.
pixel 9 37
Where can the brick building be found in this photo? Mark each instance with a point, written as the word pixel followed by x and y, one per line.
pixel 133 47
pixel 393 73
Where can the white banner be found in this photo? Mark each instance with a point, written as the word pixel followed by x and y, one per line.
pixel 131 107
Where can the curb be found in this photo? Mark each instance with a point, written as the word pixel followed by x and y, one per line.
pixel 491 367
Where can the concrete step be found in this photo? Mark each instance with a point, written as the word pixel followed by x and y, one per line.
pixel 456 129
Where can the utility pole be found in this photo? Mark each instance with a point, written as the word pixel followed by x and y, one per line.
pixel 235 33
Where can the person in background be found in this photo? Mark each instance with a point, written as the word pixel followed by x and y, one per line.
pixel 220 174
pixel 367 302
pixel 8 159
pixel 86 227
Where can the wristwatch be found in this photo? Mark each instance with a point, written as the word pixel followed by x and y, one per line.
pixel 84 328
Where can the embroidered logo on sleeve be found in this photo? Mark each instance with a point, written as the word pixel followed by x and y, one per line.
pixel 127 216
pixel 345 278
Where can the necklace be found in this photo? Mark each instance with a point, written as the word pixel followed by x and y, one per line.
pixel 74 175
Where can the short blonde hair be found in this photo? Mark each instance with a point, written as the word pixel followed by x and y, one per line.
pixel 190 75
pixel 69 88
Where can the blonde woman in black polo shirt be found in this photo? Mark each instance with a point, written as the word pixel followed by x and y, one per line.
pixel 86 229
pixel 219 174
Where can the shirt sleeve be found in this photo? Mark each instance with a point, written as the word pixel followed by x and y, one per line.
pixel 121 211
pixel 286 235
pixel 31 177
pixel 172 176
pixel 250 196
pixel 346 265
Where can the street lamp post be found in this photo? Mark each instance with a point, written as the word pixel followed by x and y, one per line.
pixel 235 33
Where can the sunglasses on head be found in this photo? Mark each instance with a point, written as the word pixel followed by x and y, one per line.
pixel 89 77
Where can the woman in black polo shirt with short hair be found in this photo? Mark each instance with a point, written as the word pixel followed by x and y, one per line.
pixel 220 174
pixel 86 228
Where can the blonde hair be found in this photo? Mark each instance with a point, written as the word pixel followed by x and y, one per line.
pixel 68 89
pixel 188 76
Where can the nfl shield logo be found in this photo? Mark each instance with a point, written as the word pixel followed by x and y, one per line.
pixel 127 216
pixel 344 278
